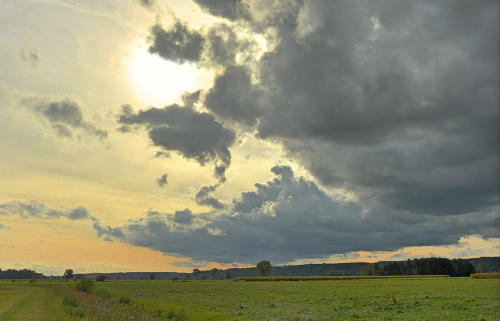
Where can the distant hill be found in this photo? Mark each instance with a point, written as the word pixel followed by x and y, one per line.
pixel 493 264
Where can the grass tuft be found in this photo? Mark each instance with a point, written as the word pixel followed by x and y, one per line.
pixel 84 285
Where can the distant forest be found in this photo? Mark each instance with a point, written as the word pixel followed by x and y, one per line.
pixel 20 274
pixel 426 266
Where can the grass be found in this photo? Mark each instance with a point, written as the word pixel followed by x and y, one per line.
pixel 23 301
pixel 333 278
pixel 436 298
pixel 490 275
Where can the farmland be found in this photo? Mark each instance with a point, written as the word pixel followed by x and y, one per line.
pixel 436 298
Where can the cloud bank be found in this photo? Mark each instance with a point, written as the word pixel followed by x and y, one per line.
pixel 289 218
pixel 34 209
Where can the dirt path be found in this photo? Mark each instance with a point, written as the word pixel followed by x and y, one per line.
pixel 27 303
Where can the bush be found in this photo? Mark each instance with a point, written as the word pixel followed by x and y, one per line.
pixel 72 302
pixel 84 285
pixel 176 315
pixel 264 268
pixel 100 278
pixel 71 306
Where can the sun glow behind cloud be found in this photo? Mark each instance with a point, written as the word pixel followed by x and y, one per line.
pixel 157 81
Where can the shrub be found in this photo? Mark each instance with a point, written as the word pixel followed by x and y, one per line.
pixel 100 278
pixel 264 268
pixel 176 315
pixel 70 302
pixel 71 306
pixel 84 285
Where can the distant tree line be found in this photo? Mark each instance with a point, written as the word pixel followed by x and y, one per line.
pixel 20 274
pixel 426 266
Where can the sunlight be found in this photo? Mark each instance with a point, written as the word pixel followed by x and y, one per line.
pixel 157 81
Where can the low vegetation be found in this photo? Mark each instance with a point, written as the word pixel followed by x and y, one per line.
pixel 84 285
pixel 373 298
pixel 333 278
pixel 491 275
pixel 327 298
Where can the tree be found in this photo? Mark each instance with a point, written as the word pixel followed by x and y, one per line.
pixel 370 269
pixel 482 268
pixel 196 273
pixel 152 276
pixel 100 278
pixel 228 275
pixel 214 273
pixel 68 274
pixel 264 268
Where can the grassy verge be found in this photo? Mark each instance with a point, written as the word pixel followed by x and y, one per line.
pixel 491 275
pixel 324 278
pixel 24 301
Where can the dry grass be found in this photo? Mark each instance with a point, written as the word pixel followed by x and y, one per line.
pixel 102 307
pixel 490 275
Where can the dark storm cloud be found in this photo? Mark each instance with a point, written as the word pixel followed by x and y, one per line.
pixel 203 197
pixel 223 44
pixel 220 173
pixel 190 98
pixel 193 134
pixel 183 217
pixel 177 44
pixel 34 209
pixel 230 9
pixel 107 231
pixel 397 101
pixel 63 115
pixel 394 101
pixel 288 218
pixel 234 97
pixel 162 181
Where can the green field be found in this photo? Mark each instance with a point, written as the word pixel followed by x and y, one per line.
pixel 441 298
pixel 21 301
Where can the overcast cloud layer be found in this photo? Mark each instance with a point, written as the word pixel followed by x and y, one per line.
pixel 394 101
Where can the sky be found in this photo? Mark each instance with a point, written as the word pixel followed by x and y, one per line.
pixel 150 135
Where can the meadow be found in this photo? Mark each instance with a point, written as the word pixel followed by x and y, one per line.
pixel 436 298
